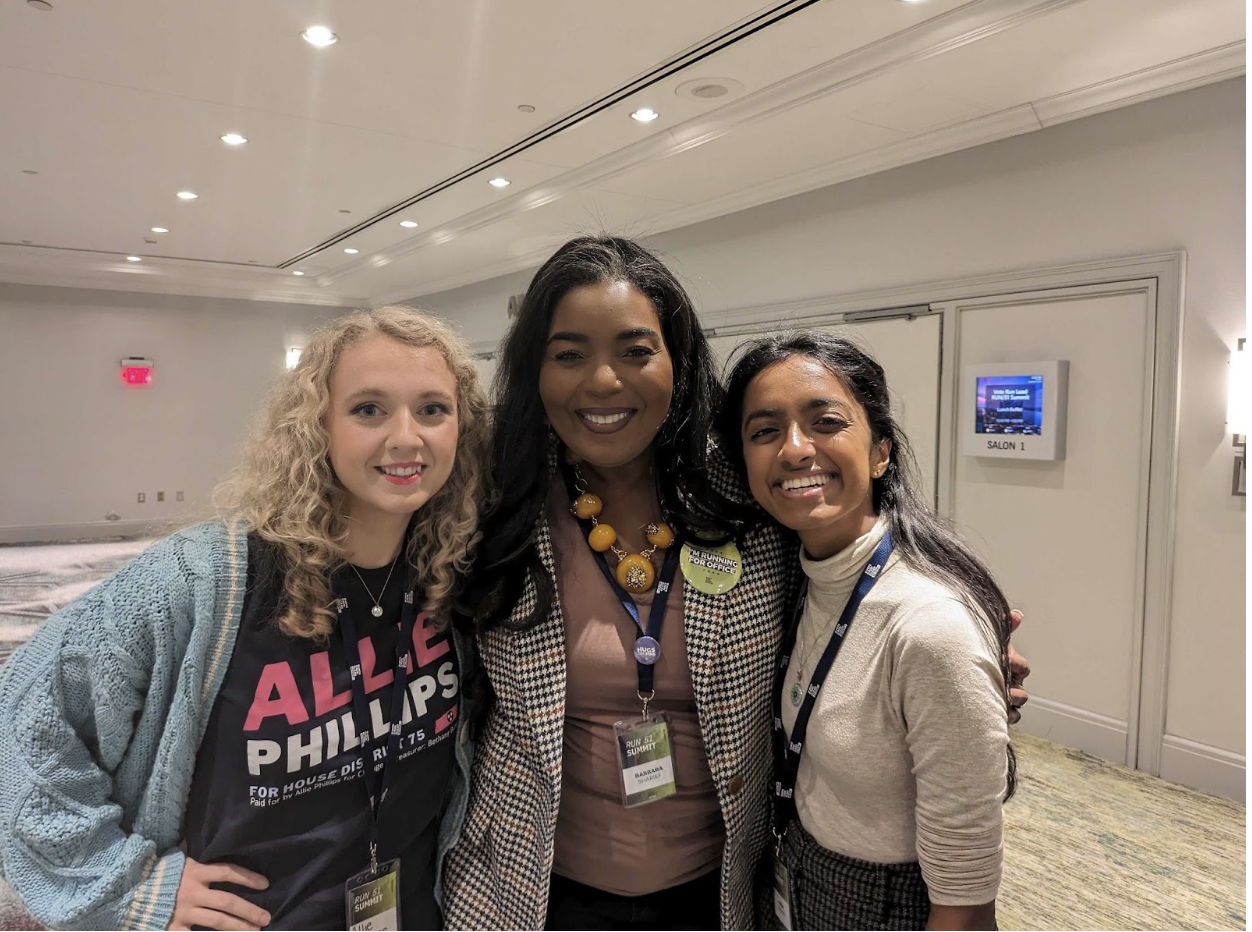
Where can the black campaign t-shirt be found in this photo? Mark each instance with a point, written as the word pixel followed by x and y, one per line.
pixel 278 786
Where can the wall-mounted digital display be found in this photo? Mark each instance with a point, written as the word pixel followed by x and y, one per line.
pixel 1015 410
pixel 1010 404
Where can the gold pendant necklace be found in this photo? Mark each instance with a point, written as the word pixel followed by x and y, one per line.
pixel 635 572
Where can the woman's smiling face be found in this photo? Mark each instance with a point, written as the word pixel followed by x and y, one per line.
pixel 810 456
pixel 607 376
pixel 391 424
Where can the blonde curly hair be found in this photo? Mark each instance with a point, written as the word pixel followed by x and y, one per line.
pixel 286 491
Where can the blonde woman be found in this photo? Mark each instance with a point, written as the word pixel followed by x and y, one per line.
pixel 216 736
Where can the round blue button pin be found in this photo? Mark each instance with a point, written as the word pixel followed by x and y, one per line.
pixel 647 650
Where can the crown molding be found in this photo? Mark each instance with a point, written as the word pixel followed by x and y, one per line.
pixel 1182 74
pixel 1173 77
pixel 969 23
pixel 34 265
pixel 1119 268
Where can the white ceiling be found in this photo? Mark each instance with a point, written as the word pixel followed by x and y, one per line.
pixel 119 105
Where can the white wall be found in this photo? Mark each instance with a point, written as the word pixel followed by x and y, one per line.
pixel 78 443
pixel 1159 176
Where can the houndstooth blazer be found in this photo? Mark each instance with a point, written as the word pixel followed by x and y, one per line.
pixel 498 874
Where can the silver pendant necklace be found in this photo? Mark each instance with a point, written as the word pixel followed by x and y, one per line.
pixel 796 694
pixel 377 610
pixel 797 688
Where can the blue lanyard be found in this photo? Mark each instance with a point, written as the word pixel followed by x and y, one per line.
pixel 787 754
pixel 648 641
pixel 376 783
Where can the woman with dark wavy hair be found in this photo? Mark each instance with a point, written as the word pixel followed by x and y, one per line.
pixel 891 730
pixel 621 775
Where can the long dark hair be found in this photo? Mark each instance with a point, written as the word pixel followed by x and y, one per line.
pixel 521 444
pixel 920 537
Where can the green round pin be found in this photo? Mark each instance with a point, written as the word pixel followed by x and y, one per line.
pixel 712 570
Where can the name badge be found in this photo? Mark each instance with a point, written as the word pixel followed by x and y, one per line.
pixel 645 759
pixel 373 898
pixel 712 570
pixel 782 892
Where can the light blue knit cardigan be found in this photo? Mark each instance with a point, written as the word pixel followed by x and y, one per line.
pixel 101 716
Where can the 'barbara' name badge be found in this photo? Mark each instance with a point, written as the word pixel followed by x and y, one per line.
pixel 645 759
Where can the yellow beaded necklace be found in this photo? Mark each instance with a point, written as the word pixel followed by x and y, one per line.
pixel 635 572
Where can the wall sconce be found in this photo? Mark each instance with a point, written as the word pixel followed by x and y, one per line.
pixel 293 356
pixel 1237 411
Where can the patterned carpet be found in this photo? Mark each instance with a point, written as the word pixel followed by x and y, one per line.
pixel 1088 845
pixel 36 581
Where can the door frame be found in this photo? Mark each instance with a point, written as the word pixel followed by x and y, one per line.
pixel 1163 275
pixel 1154 532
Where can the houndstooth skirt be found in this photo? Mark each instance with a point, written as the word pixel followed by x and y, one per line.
pixel 832 891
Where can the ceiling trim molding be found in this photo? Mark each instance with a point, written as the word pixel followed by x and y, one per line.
pixel 247 286
pixel 730 321
pixel 1173 77
pixel 1120 268
pixel 971 22
pixel 737 32
pixel 1182 74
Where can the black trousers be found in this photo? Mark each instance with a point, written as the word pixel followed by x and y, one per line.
pixel 692 905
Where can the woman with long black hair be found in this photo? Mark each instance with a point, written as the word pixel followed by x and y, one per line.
pixel 606 392
pixel 892 752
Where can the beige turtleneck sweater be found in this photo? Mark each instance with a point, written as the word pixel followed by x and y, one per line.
pixel 905 755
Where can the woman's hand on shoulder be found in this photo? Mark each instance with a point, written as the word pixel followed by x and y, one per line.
pixel 198 904
pixel 1019 669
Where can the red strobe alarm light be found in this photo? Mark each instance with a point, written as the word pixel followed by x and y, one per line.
pixel 136 371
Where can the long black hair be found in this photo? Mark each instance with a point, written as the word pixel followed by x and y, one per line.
pixel 521 444
pixel 920 537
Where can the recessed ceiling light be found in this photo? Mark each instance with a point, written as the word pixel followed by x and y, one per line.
pixel 160 230
pixel 408 224
pixel 499 182
pixel 187 195
pixel 352 252
pixel 234 139
pixel 706 89
pixel 297 272
pixel 134 258
pixel 319 36
pixel 29 171
pixel 526 108
pixel 644 115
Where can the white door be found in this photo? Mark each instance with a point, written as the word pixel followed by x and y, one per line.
pixel 908 348
pixel 1067 539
